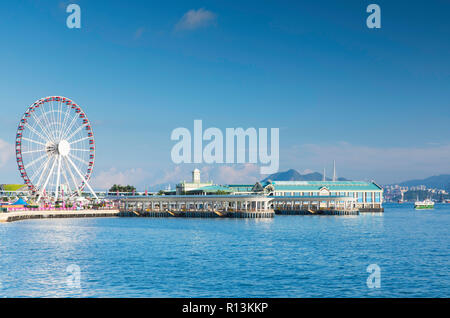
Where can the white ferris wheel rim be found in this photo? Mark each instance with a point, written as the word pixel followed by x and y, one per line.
pixel 55 148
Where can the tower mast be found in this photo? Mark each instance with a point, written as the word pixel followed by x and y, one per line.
pixel 334 170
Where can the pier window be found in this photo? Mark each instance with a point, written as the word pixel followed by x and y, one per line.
pixel 377 197
pixel 368 196
pixel 360 197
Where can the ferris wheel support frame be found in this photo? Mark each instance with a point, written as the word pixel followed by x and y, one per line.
pixel 45 146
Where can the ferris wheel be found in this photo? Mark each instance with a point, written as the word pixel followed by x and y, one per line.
pixel 55 148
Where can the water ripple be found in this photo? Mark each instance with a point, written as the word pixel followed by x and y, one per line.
pixel 289 256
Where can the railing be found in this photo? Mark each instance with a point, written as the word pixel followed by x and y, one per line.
pixel 39 209
pixel 191 210
pixel 25 209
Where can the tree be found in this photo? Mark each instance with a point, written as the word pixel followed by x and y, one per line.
pixel 120 188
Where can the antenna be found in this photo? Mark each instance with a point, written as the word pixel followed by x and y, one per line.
pixel 334 170
pixel 324 178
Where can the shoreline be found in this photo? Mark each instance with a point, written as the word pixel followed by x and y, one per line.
pixel 51 214
pixel 7 217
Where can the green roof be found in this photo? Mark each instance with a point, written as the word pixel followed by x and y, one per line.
pixel 330 185
pixel 312 197
pixel 212 188
pixel 241 187
pixel 12 187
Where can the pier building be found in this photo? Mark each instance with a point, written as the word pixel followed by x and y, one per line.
pixel 368 196
pixel 307 205
pixel 242 206
pixel 309 195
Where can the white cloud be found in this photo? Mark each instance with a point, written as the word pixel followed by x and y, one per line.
pixel 106 178
pixel 194 19
pixel 173 175
pixel 229 174
pixel 357 162
pixel 6 152
pixel 219 174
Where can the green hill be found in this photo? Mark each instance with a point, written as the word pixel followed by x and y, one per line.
pixel 294 175
pixel 438 182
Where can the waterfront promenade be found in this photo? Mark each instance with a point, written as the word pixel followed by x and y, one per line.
pixel 48 214
pixel 197 206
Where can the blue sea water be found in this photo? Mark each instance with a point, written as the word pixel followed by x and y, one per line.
pixel 288 256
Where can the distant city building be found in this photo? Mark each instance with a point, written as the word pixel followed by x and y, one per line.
pixel 397 193
pixel 419 188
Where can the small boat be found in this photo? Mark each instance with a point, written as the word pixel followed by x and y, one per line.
pixel 425 204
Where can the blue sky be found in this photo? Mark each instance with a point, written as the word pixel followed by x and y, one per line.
pixel 375 100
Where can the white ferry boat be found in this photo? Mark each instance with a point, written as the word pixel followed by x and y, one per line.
pixel 425 204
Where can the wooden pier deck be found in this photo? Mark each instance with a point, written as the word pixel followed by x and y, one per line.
pixel 199 214
pixel 27 215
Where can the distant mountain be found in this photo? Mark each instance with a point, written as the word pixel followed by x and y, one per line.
pixel 294 175
pixel 439 182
